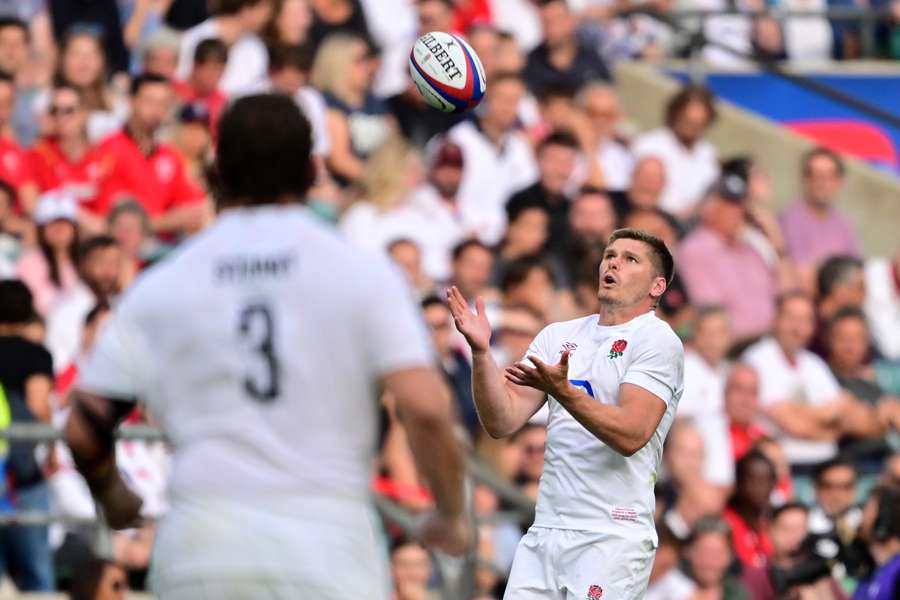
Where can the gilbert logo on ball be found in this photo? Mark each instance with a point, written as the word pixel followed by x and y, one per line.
pixel 447 72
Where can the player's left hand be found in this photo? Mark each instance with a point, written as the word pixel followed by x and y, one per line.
pixel 553 380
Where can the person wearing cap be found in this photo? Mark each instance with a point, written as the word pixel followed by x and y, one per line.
pixel 26 378
pixel 720 267
pixel 49 270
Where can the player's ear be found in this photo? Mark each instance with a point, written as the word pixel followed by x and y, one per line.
pixel 658 288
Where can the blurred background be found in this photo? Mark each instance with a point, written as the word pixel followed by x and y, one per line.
pixel 758 138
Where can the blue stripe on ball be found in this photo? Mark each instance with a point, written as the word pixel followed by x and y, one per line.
pixel 458 104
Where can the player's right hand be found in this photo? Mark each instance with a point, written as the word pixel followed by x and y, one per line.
pixel 474 327
pixel 451 535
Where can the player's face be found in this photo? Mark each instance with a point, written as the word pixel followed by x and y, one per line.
pixel 627 274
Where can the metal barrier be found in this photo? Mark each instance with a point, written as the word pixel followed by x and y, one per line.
pixel 456 573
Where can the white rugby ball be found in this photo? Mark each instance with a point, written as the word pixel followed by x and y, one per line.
pixel 447 72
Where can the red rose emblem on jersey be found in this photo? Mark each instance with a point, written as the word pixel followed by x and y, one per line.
pixel 617 348
pixel 595 592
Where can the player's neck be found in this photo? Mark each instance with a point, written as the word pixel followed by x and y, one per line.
pixel 614 314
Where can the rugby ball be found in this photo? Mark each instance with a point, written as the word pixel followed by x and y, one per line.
pixel 447 72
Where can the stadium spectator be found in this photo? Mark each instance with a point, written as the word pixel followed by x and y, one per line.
pixel 690 496
pixel 289 25
pixel 237 24
pixel 645 186
pixel 100 19
pixel 774 451
pixel 411 571
pixel 15 232
pixel 26 372
pixel 798 393
pixel 15 168
pixel 150 171
pixel 140 20
pixel 408 256
pixel 332 17
pixel 601 104
pixel 748 509
pixel 99 579
pixel 689 158
pixel 813 228
pixel 719 267
pixel 498 161
pixel 49 270
pixel 531 440
pixel 562 58
pixel 202 84
pixel 882 305
pixel 68 161
pixel 82 64
pixel 840 282
pixel 526 235
pixel 15 56
pixel 882 538
pixel 708 553
pixel 471 268
pixel 192 137
pixel 591 221
pixel 835 511
pixel 703 401
pixel 129 225
pixel 160 53
pixel 452 362
pixel 516 327
pixel 556 157
pixel 528 281
pixel 358 122
pixel 99 261
pixel 742 409
pixel 289 67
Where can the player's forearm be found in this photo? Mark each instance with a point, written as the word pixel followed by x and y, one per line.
pixel 619 429
pixel 496 410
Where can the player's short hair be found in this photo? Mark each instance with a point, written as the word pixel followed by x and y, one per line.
pixel 688 95
pixel 559 138
pixel 659 252
pixel 789 506
pixel 212 50
pixel 290 56
pixel 518 271
pixel 16 303
pixel 836 270
pixel 464 246
pixel 818 151
pixel 144 79
pixel 264 151
pixel 833 463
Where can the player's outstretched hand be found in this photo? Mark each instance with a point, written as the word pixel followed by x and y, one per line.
pixel 474 327
pixel 550 379
pixel 451 535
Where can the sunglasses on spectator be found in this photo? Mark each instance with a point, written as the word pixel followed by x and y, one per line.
pixel 61 111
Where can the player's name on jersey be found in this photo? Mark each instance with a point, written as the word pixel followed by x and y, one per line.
pixel 251 267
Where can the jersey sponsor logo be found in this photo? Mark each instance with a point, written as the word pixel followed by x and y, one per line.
pixel 617 348
pixel 623 513
pixel 584 384
pixel 595 592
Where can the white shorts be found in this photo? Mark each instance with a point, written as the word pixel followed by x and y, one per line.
pixel 563 564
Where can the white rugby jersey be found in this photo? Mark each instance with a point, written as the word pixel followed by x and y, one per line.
pixel 258 345
pixel 586 485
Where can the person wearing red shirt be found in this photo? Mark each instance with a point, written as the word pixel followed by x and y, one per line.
pixel 748 509
pixel 68 160
pixel 742 409
pixel 15 168
pixel 202 86
pixel 150 171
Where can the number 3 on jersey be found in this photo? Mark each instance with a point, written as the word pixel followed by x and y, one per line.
pixel 266 388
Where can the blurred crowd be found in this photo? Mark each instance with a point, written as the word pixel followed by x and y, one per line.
pixel 788 426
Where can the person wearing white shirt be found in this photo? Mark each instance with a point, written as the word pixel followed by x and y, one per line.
pixel 882 304
pixel 705 372
pixel 799 396
pixel 601 103
pixel 498 159
pixel 237 23
pixel 689 158
pixel 612 382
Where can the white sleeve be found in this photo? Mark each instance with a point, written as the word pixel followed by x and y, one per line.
pixel 658 367
pixel 824 387
pixel 393 327
pixel 119 357
pixel 541 346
